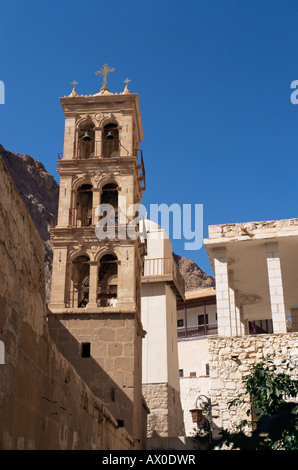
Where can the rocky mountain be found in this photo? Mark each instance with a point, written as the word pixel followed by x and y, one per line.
pixel 195 277
pixel 40 193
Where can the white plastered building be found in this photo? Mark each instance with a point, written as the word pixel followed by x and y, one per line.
pixel 256 271
pixel 162 284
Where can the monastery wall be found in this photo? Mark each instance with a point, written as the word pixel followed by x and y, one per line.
pixel 230 359
pixel 44 404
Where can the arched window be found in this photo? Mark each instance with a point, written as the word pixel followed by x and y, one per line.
pixel 85 145
pixel 107 281
pixel 110 142
pixel 81 212
pixel 109 196
pixel 80 272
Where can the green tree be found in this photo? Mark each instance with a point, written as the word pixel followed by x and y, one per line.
pixel 268 388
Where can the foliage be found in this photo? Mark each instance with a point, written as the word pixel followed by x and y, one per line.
pixel 269 387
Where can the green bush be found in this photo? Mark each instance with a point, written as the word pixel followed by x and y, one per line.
pixel 275 426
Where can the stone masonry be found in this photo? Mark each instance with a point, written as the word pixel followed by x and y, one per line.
pixel 44 403
pixel 97 260
pixel 230 360
pixel 112 348
pixel 166 416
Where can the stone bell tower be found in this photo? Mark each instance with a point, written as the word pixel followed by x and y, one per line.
pixel 95 296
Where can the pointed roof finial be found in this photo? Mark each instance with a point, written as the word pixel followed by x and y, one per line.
pixel 126 89
pixel 104 72
pixel 74 91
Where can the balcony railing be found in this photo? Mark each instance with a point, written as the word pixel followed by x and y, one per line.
pixel 107 149
pixel 94 149
pixel 165 268
pixel 81 299
pixel 81 217
pixel 157 266
pixel 179 279
pixel 198 330
pixel 142 169
pixel 90 218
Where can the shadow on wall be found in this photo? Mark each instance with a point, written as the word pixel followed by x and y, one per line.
pixel 79 354
pixel 195 442
pixel 157 442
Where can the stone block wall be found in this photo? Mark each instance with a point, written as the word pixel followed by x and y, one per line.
pixel 230 359
pixel 166 416
pixel 44 403
pixel 110 371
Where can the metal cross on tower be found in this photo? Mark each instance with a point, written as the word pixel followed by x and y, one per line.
pixel 74 83
pixel 104 72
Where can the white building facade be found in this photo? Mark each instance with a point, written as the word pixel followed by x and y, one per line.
pixel 162 284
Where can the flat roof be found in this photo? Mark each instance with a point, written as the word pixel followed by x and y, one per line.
pixel 245 247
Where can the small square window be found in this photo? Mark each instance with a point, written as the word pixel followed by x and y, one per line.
pixel 86 349
pixel 180 323
pixel 192 374
pixel 202 318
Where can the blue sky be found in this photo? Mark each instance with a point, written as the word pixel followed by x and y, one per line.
pixel 213 78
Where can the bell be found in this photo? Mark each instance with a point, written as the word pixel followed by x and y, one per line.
pixel 86 136
pixel 109 136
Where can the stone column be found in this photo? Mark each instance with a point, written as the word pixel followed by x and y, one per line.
pixel 98 142
pixel 69 138
pixel 294 317
pixel 243 324
pixel 58 278
pixel 276 288
pixel 65 199
pixel 95 205
pixel 234 307
pixel 93 282
pixel 126 277
pixel 222 292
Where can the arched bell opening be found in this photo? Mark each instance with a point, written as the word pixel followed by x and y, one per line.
pixel 81 214
pixel 80 274
pixel 109 196
pixel 110 141
pixel 86 140
pixel 107 281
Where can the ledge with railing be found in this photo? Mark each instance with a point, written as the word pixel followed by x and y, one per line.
pixel 164 269
pixel 96 149
pixel 78 218
pixel 197 330
pixel 93 149
pixel 81 217
pixel 111 149
pixel 90 218
pixel 80 299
